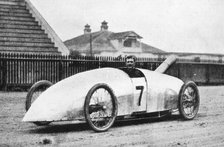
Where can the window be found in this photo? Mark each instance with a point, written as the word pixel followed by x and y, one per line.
pixel 128 43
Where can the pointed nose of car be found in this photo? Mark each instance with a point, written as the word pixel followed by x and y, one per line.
pixel 57 103
pixel 50 107
pixel 44 108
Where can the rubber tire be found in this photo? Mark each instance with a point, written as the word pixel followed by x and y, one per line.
pixel 180 106
pixel 86 107
pixel 30 94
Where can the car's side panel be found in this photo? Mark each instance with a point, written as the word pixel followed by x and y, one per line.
pixel 140 94
pixel 65 99
pixel 163 91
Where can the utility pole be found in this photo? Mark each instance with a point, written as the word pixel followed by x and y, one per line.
pixel 90 44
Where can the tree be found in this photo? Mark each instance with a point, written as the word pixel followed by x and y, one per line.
pixel 75 53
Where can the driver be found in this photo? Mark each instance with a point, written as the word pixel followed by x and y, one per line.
pixel 130 67
pixel 130 61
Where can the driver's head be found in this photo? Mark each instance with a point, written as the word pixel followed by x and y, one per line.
pixel 130 61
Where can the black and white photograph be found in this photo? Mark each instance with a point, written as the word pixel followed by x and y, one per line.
pixel 112 73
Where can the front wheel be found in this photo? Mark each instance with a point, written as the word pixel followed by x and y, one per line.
pixel 100 107
pixel 34 92
pixel 189 101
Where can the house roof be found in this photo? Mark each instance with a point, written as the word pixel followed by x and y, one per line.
pixel 150 49
pixel 122 35
pixel 101 42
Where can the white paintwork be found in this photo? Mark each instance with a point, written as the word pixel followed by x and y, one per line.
pixel 163 91
pixel 139 82
pixel 67 97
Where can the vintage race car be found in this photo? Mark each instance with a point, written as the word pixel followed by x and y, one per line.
pixel 101 96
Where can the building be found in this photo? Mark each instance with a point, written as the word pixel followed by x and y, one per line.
pixel 24 30
pixel 107 43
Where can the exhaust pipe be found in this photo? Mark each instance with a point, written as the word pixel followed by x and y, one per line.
pixel 166 64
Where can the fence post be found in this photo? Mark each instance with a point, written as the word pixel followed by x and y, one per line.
pixel 99 62
pixel 207 68
pixel 60 70
pixel 4 80
pixel 178 70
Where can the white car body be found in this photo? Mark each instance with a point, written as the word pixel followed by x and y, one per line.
pixel 65 99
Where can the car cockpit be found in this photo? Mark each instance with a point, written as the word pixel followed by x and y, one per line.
pixel 132 72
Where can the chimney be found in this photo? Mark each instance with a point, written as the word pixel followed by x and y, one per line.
pixel 104 26
pixel 87 29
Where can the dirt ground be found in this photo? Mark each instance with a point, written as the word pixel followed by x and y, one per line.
pixel 207 129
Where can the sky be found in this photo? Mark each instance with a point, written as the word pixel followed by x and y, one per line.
pixel 171 25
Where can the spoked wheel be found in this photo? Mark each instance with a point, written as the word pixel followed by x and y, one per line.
pixel 189 100
pixel 34 92
pixel 100 108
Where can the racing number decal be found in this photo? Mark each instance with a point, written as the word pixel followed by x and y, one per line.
pixel 140 96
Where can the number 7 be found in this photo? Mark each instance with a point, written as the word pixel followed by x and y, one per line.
pixel 140 96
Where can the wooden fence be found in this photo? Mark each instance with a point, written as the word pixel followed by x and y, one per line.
pixel 22 70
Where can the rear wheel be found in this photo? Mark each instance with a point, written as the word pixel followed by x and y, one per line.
pixel 34 92
pixel 189 101
pixel 100 107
